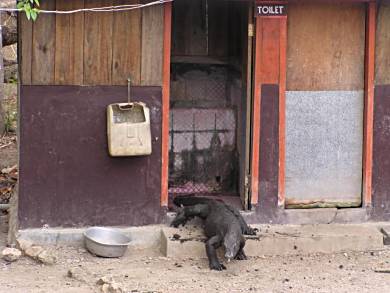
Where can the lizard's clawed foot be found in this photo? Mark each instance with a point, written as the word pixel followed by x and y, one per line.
pixel 217 266
pixel 241 256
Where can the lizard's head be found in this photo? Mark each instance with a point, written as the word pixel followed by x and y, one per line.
pixel 232 243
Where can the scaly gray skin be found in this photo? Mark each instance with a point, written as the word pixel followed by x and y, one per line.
pixel 223 226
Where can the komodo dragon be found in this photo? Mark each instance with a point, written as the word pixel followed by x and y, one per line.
pixel 223 226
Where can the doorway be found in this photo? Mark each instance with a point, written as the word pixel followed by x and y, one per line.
pixel 210 100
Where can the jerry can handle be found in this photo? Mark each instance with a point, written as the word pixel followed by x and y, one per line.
pixel 126 107
pixel 129 104
pixel 128 90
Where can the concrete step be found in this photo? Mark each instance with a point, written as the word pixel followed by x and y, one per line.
pixel 188 241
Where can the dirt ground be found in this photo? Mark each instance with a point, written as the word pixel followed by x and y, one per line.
pixel 8 142
pixel 149 271
pixel 141 271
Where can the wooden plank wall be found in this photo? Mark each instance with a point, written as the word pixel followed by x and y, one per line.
pixel 195 34
pixel 325 46
pixel 152 53
pixel 43 47
pixel 382 62
pixel 69 57
pixel 92 48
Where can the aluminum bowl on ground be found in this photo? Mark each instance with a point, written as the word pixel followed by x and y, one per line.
pixel 106 242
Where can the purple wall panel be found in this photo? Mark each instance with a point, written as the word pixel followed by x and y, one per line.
pixel 67 177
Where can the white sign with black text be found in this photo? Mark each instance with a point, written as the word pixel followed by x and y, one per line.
pixel 271 10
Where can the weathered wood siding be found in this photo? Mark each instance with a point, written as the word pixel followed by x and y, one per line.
pixel 325 46
pixel 205 28
pixel 382 62
pixel 69 57
pixel 92 48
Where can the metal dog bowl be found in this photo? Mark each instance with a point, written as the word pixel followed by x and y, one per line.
pixel 106 242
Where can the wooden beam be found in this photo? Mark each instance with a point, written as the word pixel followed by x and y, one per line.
pixel 152 45
pixel 282 111
pixel 126 42
pixel 165 102
pixel 25 35
pixel 369 102
pixel 98 44
pixel 256 115
pixel 69 50
pixel 267 71
pixel 43 46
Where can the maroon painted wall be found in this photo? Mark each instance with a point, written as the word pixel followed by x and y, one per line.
pixel 381 155
pixel 67 177
pixel 269 153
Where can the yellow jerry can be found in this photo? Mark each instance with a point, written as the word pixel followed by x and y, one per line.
pixel 128 129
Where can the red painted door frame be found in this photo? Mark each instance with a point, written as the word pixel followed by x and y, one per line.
pixel 165 103
pixel 269 68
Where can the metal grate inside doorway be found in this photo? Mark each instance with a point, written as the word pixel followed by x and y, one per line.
pixel 203 125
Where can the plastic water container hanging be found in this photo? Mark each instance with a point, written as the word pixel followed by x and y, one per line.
pixel 128 128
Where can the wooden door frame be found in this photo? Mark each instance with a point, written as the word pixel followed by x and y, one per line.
pixel 165 103
pixel 368 108
pixel 167 39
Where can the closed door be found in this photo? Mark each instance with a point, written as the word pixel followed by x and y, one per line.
pixel 324 105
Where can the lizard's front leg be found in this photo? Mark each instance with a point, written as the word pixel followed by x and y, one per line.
pixel 211 245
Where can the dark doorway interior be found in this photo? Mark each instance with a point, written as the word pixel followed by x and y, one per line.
pixel 208 99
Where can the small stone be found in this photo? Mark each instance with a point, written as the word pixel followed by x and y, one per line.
pixel 382 270
pixel 11 254
pixel 77 273
pixel 176 236
pixel 115 288
pixel 104 280
pixel 341 266
pixel 109 285
pixel 33 251
pixel 46 258
pixel 23 244
pixel 105 288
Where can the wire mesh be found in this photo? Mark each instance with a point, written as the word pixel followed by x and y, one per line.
pixel 202 153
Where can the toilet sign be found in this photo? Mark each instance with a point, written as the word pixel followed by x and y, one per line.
pixel 271 10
